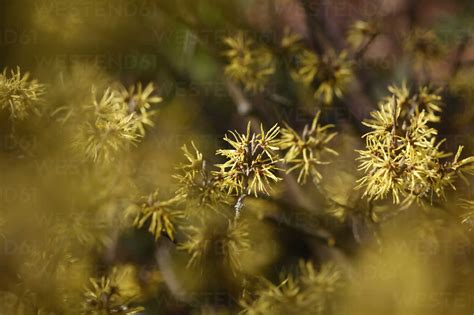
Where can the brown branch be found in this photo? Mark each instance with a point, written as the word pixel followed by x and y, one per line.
pixel 313 26
pixel 459 54
pixel 361 52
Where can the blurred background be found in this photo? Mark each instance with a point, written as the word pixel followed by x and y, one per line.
pixel 63 221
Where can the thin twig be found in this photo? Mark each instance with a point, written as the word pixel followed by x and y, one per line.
pixel 459 54
pixel 239 205
pixel 313 26
pixel 360 53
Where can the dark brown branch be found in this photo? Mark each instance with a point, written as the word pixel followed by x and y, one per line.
pixel 459 54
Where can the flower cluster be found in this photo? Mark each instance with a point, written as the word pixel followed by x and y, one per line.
pixel 308 292
pixel 162 215
pixel 110 129
pixel 403 157
pixel 334 72
pixel 19 95
pixel 254 222
pixel 423 45
pixel 197 185
pixel 361 32
pixel 303 62
pixel 426 99
pixel 217 240
pixel 251 162
pixel 249 63
pixel 249 169
pixel 253 66
pixel 116 120
pixel 111 294
pixel 306 152
pixel 305 66
pixel 328 74
pixel 138 101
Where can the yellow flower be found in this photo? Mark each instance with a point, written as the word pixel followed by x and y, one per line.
pixel 251 163
pixel 334 73
pixel 306 66
pixel 161 215
pixel 109 131
pixel 328 74
pixel 115 121
pixel 425 99
pixel 309 291
pixel 20 95
pixel 138 101
pixel 216 239
pixel 361 31
pixel 402 155
pixel 197 184
pixel 468 217
pixel 423 45
pixel 113 293
pixel 248 63
pixel 305 152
